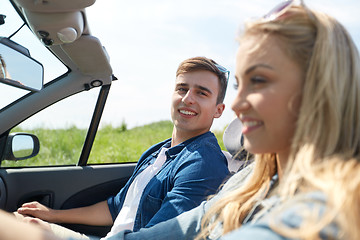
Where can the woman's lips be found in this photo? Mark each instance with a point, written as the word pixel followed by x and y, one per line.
pixel 250 125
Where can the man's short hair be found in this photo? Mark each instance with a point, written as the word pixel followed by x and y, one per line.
pixel 203 63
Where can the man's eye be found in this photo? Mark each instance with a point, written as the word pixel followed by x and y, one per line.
pixel 182 89
pixel 203 93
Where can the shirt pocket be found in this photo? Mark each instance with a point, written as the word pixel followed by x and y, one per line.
pixel 151 206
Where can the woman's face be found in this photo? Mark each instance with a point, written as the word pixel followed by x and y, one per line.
pixel 268 95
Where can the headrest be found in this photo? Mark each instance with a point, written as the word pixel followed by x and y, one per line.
pixel 232 137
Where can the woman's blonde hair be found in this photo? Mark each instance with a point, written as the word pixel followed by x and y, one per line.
pixel 325 147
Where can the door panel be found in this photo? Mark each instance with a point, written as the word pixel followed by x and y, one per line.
pixel 62 187
pixel 90 196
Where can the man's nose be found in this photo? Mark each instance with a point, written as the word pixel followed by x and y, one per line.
pixel 189 97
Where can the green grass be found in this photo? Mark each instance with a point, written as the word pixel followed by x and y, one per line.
pixel 112 144
pixel 119 145
pixel 57 147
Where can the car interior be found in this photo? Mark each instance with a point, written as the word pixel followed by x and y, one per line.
pixel 62 29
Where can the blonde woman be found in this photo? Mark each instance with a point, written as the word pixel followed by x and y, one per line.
pixel 299 101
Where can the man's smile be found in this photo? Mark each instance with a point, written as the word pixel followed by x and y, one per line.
pixel 187 112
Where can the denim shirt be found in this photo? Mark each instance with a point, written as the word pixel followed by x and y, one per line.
pixel 193 170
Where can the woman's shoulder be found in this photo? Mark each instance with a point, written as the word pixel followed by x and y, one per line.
pixel 291 215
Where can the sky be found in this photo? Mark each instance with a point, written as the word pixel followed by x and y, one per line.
pixel 146 40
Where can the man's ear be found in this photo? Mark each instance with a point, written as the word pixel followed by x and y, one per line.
pixel 219 110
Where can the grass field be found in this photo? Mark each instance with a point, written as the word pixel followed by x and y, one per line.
pixel 112 144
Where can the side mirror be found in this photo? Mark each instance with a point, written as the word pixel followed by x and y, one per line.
pixel 20 146
pixel 17 68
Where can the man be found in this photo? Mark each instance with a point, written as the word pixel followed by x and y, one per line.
pixel 172 176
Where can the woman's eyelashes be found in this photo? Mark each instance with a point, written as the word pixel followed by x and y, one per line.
pixel 257 80
pixel 251 81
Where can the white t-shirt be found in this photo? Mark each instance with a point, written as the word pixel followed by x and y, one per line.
pixel 126 217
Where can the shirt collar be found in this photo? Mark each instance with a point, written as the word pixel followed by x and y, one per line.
pixel 175 150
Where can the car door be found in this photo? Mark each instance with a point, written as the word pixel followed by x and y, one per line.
pixel 61 185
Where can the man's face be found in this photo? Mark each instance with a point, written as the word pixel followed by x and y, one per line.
pixel 194 102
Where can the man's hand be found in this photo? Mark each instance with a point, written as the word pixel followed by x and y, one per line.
pixel 37 210
pixel 95 215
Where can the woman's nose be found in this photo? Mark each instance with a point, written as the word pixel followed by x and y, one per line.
pixel 240 103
